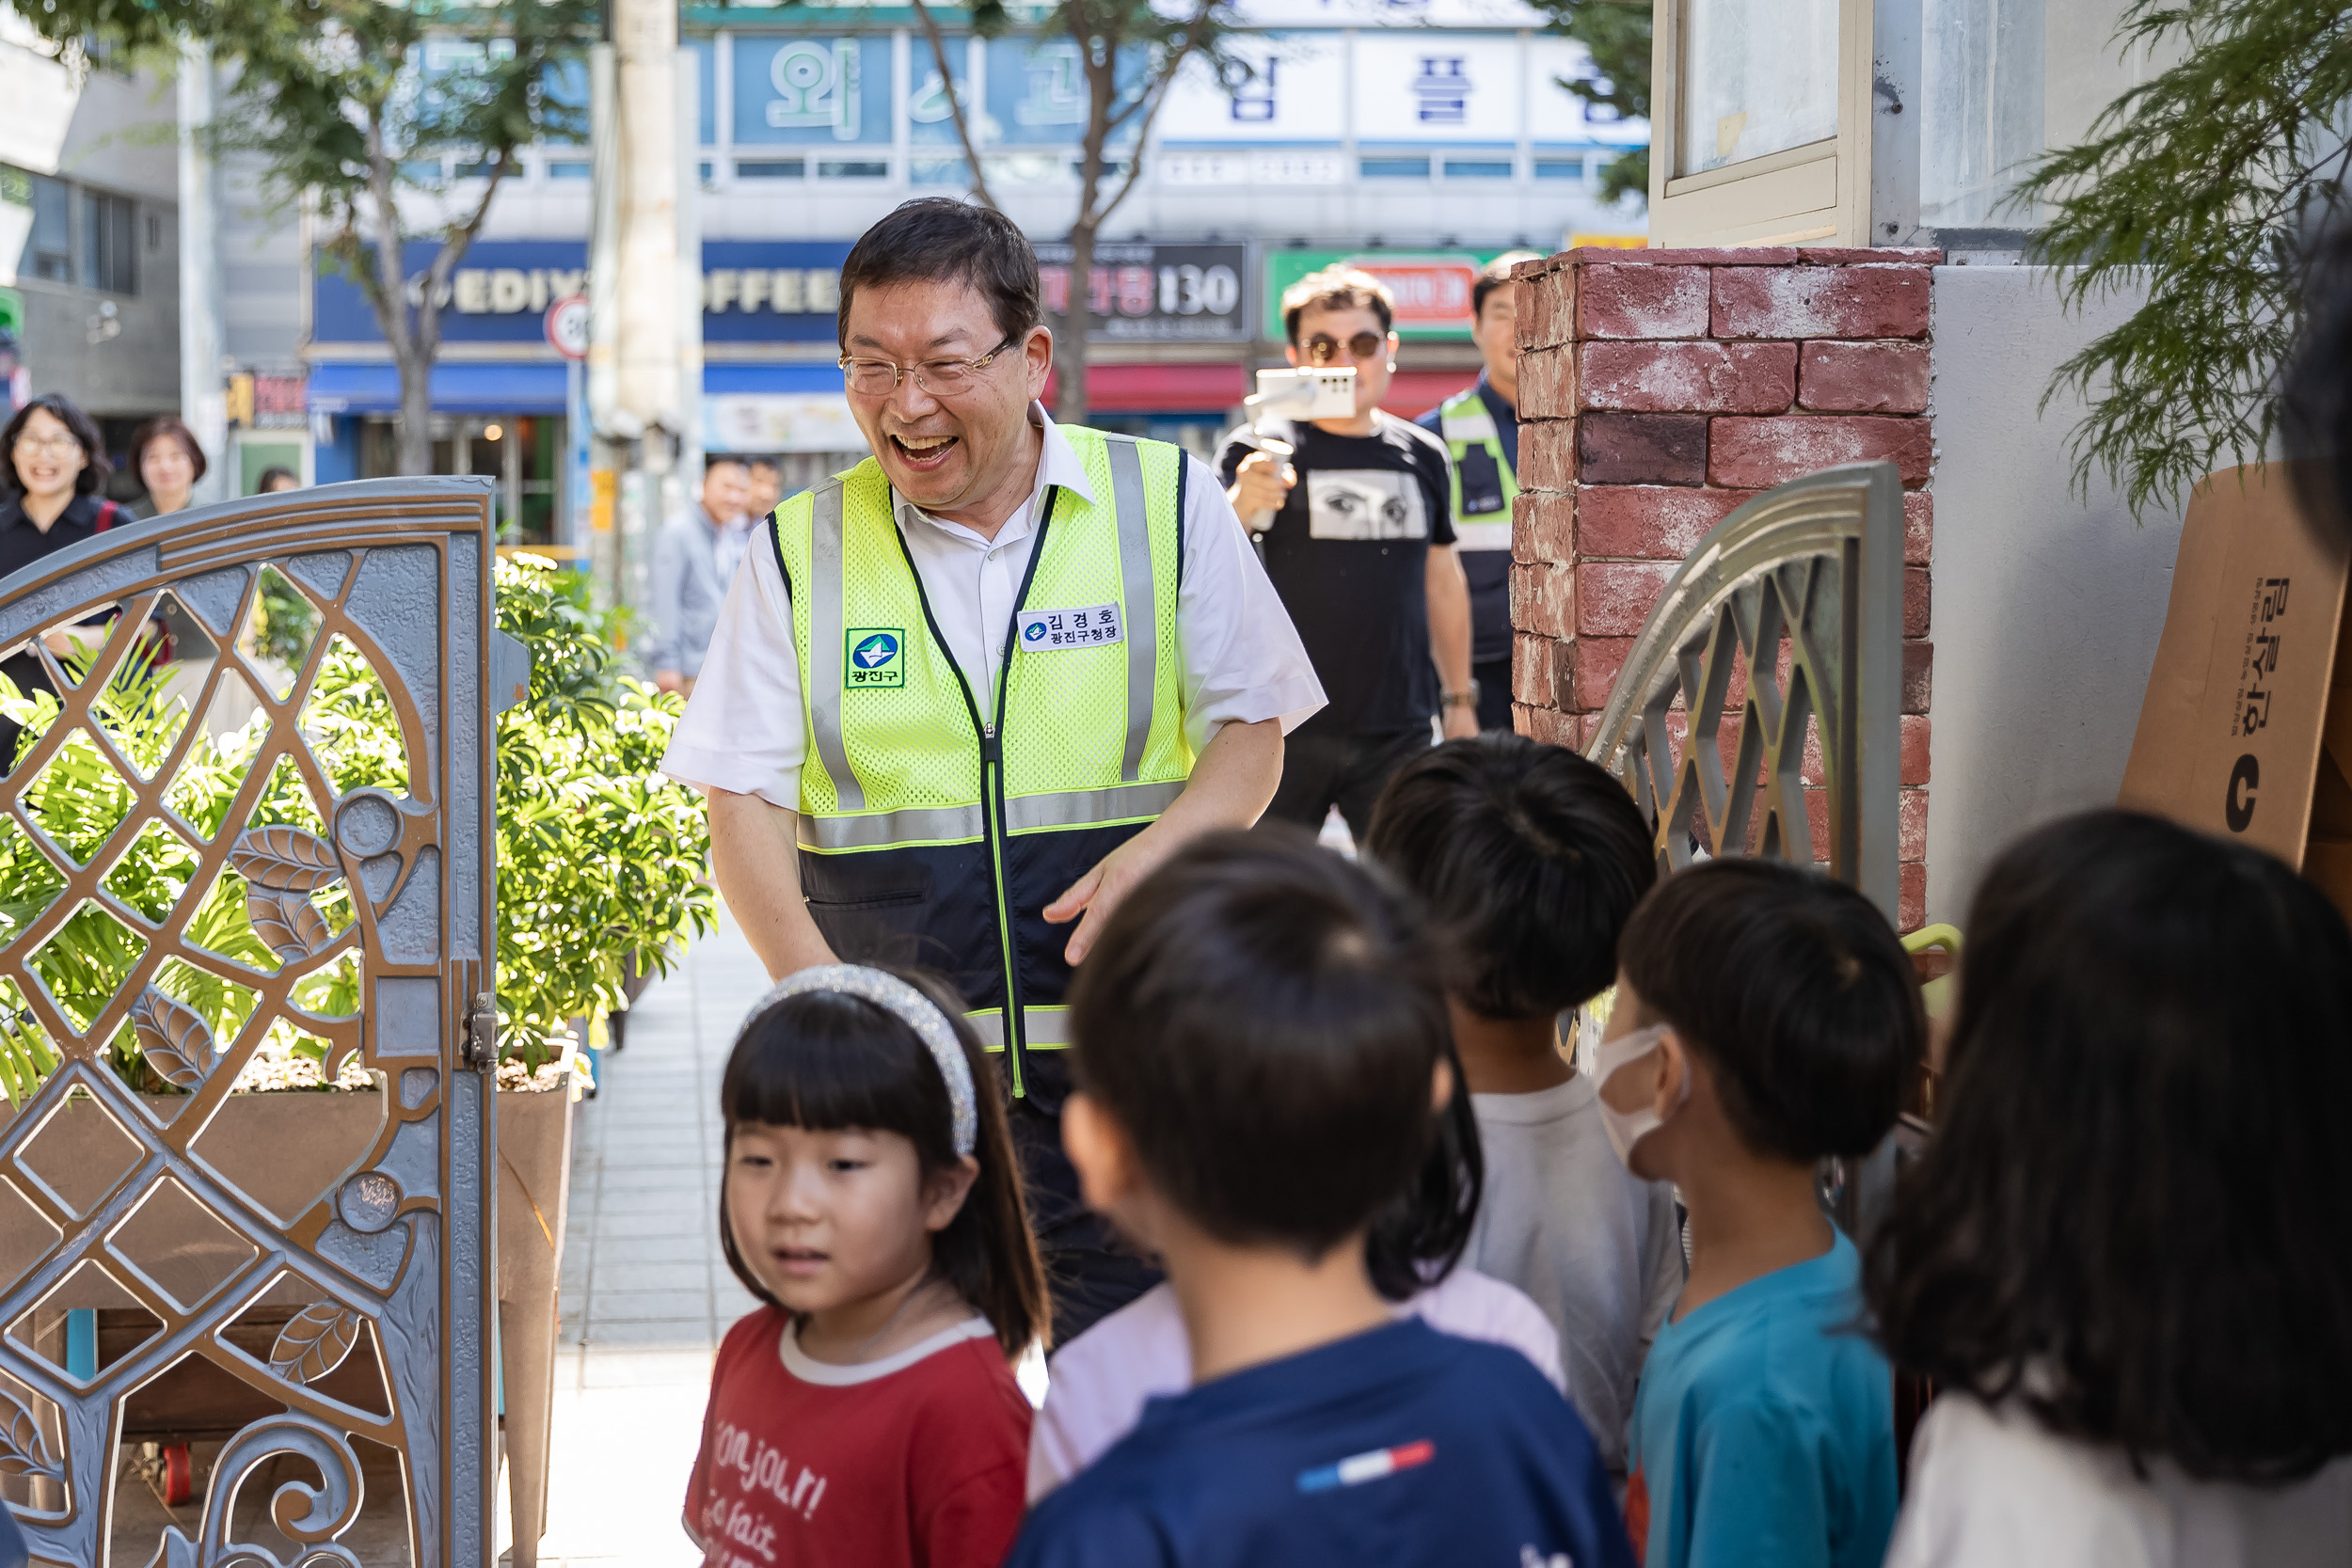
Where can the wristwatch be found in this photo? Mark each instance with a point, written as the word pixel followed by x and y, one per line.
pixel 1466 697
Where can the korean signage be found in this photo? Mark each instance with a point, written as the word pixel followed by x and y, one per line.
pixel 1157 293
pixel 754 291
pixel 1432 288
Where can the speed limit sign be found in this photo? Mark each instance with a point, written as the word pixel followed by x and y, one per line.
pixel 567 326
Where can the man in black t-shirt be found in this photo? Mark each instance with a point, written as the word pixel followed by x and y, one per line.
pixel 1358 534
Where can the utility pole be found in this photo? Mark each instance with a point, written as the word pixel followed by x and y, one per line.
pixel 645 39
pixel 203 403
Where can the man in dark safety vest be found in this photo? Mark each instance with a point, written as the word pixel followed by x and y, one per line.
pixel 975 687
pixel 1480 426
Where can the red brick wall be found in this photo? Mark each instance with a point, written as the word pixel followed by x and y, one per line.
pixel 1661 389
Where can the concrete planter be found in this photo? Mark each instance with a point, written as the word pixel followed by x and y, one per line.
pixel 283 1149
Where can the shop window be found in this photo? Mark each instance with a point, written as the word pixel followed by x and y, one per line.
pixel 1394 169
pixel 771 169
pixel 109 243
pixel 1478 169
pixel 1762 128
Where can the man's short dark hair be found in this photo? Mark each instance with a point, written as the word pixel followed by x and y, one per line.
pixel 764 461
pixel 1339 287
pixel 937 239
pixel 722 459
pixel 1496 275
pixel 1263 1018
pixel 1530 860
pixel 1793 990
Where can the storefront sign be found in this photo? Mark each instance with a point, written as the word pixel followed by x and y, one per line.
pixel 1155 293
pixel 1433 291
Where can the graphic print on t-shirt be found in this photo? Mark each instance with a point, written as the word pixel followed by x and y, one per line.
pixel 1365 503
pixel 764 1477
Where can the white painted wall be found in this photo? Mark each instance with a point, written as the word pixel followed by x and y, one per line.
pixel 2047 608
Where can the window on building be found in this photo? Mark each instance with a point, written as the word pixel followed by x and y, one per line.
pixel 109 243
pixel 1478 169
pixel 1762 129
pixel 567 168
pixel 771 169
pixel 1560 169
pixel 49 247
pixel 939 171
pixel 853 170
pixel 1394 169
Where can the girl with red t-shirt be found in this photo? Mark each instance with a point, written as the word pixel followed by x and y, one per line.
pixel 867 1415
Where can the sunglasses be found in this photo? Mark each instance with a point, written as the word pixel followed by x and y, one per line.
pixel 1323 348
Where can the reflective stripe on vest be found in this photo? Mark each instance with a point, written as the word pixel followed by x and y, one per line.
pixel 1042 1028
pixel 934 832
pixel 1464 421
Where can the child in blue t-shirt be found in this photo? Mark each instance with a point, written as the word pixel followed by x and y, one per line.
pixel 1766 1017
pixel 1261 1065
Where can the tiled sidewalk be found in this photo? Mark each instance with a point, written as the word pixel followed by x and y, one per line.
pixel 646 1290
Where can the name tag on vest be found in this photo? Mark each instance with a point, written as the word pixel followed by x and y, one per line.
pixel 1042 630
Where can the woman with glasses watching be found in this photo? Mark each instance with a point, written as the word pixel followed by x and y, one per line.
pixel 56 462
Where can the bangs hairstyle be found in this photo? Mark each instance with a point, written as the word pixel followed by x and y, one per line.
pixel 2122 1219
pixel 1336 288
pixel 827 1062
pixel 95 468
pixel 1795 991
pixel 1262 1018
pixel 164 427
pixel 938 239
pixel 1530 859
pixel 1496 275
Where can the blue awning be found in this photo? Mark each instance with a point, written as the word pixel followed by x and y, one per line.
pixel 462 389
pixel 525 388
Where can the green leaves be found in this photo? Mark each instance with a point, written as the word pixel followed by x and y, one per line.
pixel 2198 186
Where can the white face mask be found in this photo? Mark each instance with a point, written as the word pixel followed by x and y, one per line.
pixel 1628 1128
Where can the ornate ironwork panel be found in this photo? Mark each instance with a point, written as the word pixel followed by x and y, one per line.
pixel 1760 710
pixel 247 845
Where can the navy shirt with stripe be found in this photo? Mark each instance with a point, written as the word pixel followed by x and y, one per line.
pixel 1401 1446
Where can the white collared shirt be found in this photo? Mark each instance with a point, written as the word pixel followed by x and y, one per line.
pixel 1242 661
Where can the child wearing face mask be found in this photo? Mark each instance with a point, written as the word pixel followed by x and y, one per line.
pixel 866 1416
pixel 1766 1017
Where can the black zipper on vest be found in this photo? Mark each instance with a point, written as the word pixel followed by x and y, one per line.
pixel 992 775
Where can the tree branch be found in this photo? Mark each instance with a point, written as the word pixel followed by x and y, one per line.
pixel 1195 39
pixel 955 105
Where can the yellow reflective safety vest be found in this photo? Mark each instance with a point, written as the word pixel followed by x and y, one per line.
pixel 933 829
pixel 1465 423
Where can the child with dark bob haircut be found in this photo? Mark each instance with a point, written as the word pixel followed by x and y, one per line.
pixel 1261 1068
pixel 1530 860
pixel 1766 1019
pixel 867 1413
pixel 2123 1255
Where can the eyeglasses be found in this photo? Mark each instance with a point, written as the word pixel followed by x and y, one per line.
pixel 942 378
pixel 47 443
pixel 1323 348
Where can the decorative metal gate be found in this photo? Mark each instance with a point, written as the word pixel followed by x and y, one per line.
pixel 1760 710
pixel 250 845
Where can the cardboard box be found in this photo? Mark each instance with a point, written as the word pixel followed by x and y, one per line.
pixel 2246 728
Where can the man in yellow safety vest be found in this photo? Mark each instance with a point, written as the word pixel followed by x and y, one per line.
pixel 1480 426
pixel 978 686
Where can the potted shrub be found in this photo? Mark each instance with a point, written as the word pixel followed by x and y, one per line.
pixel 600 865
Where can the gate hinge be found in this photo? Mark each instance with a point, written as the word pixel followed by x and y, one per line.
pixel 480 1049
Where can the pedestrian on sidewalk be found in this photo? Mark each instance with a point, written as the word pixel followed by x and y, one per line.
pixel 1480 426
pixel 1358 534
pixel 694 559
pixel 974 689
pixel 56 463
pixel 169 461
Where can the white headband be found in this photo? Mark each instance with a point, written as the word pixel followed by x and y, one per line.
pixel 910 1007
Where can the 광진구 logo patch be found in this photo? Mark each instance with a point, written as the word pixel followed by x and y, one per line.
pixel 876 656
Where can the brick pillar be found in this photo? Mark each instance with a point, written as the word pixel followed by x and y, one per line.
pixel 1661 389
